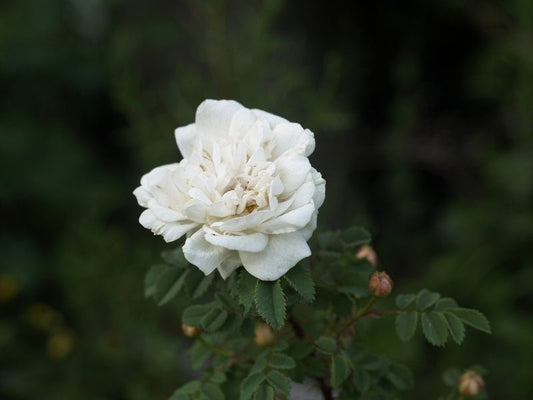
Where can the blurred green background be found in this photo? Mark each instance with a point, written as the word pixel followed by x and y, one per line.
pixel 422 112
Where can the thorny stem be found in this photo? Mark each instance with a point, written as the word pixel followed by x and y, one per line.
pixel 356 316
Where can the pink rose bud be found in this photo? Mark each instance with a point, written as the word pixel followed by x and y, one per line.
pixel 367 253
pixel 190 331
pixel 264 335
pixel 380 284
pixel 470 384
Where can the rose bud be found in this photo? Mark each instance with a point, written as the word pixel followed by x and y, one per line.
pixel 190 331
pixel 367 253
pixel 470 384
pixel 380 284
pixel 264 335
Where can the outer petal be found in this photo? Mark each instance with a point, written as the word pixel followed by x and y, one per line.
pixel 241 122
pixel 142 196
pixel 292 171
pixel 292 138
pixel 253 243
pixel 272 119
pixel 290 221
pixel 170 231
pixel 185 136
pixel 213 118
pixel 203 254
pixel 229 265
pixel 307 231
pixel 320 192
pixel 281 254
pixel 175 231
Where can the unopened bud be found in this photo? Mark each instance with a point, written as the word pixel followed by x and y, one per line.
pixel 264 335
pixel 367 253
pixel 380 284
pixel 190 331
pixel 470 384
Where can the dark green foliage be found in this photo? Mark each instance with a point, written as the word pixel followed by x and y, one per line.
pixel 423 135
pixel 270 303
pixel 250 385
pixel 326 344
pixel 300 279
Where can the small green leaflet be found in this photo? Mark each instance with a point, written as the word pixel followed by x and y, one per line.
pixel 406 324
pixel 270 303
pixel 355 236
pixel 279 381
pixel 404 300
pixel 193 315
pixel 281 361
pixel 250 384
pixel 246 285
pixel 455 326
pixel 212 391
pixel 264 393
pixel 326 344
pixel 300 279
pixel 473 318
pixel 151 279
pixel 164 294
pixel 213 320
pixel 175 257
pixel 340 369
pixel 435 328
pixel 426 299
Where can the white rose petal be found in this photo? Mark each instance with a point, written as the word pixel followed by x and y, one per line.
pixel 244 193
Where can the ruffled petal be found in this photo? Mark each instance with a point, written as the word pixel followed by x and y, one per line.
pixel 320 192
pixel 273 120
pixel 185 136
pixel 291 138
pixel 292 171
pixel 254 242
pixel 173 232
pixel 280 255
pixel 213 118
pixel 229 265
pixel 289 222
pixel 203 254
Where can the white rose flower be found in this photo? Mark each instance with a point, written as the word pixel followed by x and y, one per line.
pixel 245 193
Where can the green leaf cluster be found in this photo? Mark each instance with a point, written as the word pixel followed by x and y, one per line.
pixel 439 317
pixel 313 313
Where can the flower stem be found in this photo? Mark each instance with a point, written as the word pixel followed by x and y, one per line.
pixel 356 316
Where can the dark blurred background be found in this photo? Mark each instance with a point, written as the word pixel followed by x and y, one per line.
pixel 422 112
